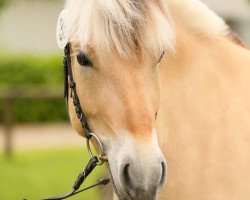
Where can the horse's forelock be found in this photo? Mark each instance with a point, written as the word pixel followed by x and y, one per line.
pixel 125 26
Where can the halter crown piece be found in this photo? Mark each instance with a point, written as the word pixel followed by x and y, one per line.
pixel 69 84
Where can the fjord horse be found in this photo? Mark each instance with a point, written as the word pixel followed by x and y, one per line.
pixel 165 84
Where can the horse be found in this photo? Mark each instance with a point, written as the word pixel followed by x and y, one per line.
pixel 165 85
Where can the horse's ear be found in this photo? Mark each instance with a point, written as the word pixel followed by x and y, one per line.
pixel 61 33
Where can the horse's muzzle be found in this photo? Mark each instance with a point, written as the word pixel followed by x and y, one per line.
pixel 138 173
pixel 142 182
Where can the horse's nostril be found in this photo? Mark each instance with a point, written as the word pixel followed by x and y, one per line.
pixel 163 173
pixel 126 173
pixel 127 179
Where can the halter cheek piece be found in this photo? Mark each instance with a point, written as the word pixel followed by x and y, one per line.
pixel 69 83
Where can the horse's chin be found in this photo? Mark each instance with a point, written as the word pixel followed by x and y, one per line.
pixel 118 194
pixel 123 197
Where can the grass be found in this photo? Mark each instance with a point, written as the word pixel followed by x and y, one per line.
pixel 39 174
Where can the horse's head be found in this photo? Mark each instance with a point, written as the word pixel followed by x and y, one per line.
pixel 120 100
pixel 115 51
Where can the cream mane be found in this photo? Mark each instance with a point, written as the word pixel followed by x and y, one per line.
pixel 198 18
pixel 127 26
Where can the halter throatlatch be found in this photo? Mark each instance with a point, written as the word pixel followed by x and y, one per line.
pixel 70 87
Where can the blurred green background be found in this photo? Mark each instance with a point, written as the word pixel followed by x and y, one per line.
pixel 29 72
pixel 40 154
pixel 44 173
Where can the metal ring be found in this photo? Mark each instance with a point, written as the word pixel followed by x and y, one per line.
pixel 100 148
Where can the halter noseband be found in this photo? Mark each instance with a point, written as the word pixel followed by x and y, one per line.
pixel 69 83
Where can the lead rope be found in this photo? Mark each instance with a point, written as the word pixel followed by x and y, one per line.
pixel 80 179
pixel 94 161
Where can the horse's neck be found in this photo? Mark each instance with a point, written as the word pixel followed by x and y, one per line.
pixel 204 118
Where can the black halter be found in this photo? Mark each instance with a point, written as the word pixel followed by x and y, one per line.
pixel 69 83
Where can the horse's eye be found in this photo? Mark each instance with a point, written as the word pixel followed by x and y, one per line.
pixel 83 60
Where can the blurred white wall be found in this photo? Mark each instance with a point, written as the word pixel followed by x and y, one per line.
pixel 29 25
pixel 237 14
pixel 231 9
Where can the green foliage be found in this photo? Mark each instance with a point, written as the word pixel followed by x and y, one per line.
pixel 2 3
pixel 40 111
pixel 33 71
pixel 45 173
pixel 30 70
